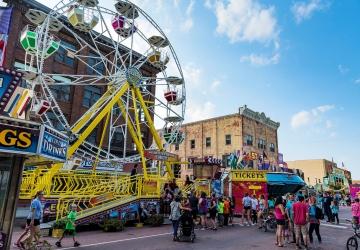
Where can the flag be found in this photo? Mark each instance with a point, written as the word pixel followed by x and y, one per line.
pixel 5 19
pixel 264 155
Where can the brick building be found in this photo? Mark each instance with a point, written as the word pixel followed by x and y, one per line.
pixel 73 100
pixel 217 137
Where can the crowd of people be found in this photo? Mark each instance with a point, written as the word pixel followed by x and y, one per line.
pixel 297 216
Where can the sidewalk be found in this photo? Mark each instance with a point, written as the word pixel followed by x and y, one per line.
pixel 94 237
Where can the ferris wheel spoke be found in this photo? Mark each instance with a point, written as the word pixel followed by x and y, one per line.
pixel 108 33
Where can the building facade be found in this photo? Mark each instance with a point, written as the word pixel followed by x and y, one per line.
pixel 323 173
pixel 74 101
pixel 246 131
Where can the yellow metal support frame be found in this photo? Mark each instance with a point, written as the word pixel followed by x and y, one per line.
pixel 152 129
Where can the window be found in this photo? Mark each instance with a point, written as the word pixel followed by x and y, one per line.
pixel 248 140
pixel 208 142
pixel 54 121
pixel 95 65
pixel 92 137
pixel 272 147
pixel 227 139
pixel 91 95
pixel 262 144
pixel 118 139
pixel 176 147
pixel 192 144
pixel 65 53
pixel 61 92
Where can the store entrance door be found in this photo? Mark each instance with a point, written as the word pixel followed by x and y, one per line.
pixel 10 176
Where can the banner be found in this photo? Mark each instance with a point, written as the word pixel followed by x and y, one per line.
pixel 150 187
pixel 19 138
pixel 245 175
pixel 5 20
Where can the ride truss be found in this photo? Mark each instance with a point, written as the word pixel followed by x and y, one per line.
pixel 132 82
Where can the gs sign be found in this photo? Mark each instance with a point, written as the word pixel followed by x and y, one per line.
pixel 18 139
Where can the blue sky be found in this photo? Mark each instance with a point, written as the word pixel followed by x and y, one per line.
pixel 297 61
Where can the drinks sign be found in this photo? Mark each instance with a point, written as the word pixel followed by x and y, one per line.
pixel 54 145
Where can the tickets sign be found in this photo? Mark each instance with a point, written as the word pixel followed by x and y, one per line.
pixel 245 175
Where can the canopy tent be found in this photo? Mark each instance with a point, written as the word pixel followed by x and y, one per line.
pixel 282 183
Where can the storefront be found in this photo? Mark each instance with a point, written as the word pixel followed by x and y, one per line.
pixel 18 139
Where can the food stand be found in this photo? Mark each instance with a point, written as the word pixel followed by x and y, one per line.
pixel 260 182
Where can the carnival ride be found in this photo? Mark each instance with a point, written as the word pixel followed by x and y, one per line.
pixel 115 50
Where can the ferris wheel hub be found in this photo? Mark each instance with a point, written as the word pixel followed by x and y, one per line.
pixel 134 76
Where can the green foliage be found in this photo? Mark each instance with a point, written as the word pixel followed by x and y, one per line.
pixel 155 220
pixel 59 224
pixel 112 225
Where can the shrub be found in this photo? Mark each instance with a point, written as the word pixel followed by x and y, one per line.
pixel 113 225
pixel 59 224
pixel 155 220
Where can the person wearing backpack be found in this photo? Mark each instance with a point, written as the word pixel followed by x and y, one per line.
pixel 314 217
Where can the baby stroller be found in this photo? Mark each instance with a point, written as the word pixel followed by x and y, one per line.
pixel 186 228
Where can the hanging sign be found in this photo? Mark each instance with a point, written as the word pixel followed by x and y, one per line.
pixel 160 155
pixel 19 137
pixel 53 145
pixel 244 175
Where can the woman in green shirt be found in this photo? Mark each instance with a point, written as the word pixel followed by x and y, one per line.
pixel 70 227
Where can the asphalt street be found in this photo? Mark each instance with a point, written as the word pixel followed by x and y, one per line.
pixel 236 237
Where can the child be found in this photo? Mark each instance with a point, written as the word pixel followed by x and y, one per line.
pixel 220 209
pixel 70 227
pixel 335 211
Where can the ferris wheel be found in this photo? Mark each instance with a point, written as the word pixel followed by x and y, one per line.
pixel 120 51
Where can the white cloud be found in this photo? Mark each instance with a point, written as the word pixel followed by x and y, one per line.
pixel 322 109
pixel 192 75
pixel 329 124
pixel 245 20
pixel 261 60
pixel 300 119
pixel 308 117
pixel 209 4
pixel 357 81
pixel 199 111
pixel 215 84
pixel 189 22
pixel 305 10
pixel 343 69
pixel 333 134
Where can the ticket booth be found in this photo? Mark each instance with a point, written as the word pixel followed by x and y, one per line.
pixel 252 182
